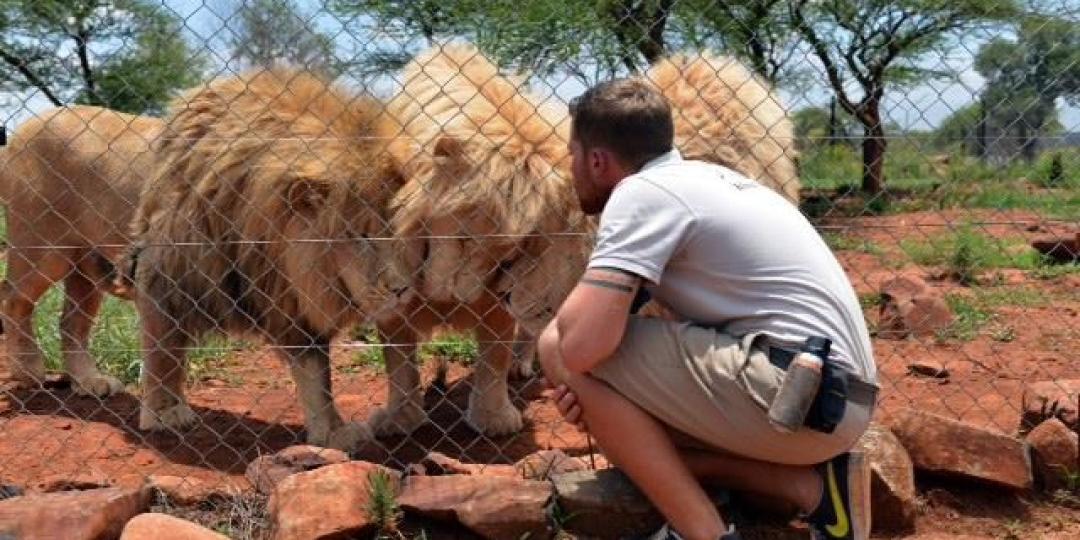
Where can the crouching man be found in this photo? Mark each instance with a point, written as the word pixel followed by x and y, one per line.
pixel 675 402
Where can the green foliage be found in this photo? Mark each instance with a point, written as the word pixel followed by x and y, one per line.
pixel 382 507
pixel 965 253
pixel 812 128
pixel 128 55
pixel 587 40
pixel 1058 169
pixel 371 354
pixel 452 346
pixel 968 319
pixel 1027 75
pixel 829 166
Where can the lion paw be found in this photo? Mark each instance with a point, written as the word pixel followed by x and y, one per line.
pixel 399 420
pixel 178 417
pixel 347 437
pixel 495 421
pixel 98 385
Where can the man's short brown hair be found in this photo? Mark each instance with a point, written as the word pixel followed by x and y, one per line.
pixel 626 116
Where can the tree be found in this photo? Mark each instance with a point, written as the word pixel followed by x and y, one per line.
pixel 757 31
pixel 128 55
pixel 1027 76
pixel 270 32
pixel 815 126
pixel 869 41
pixel 588 40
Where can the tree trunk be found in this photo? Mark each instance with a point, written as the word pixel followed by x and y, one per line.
pixel 874 144
pixel 980 131
pixel 833 126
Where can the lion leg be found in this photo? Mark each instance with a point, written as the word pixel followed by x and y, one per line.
pixel 27 280
pixel 490 410
pixel 310 367
pixel 81 304
pixel 404 411
pixel 164 406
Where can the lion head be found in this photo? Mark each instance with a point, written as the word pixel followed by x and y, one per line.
pixel 487 206
pixel 267 205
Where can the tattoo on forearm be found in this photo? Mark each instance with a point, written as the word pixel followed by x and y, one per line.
pixel 608 284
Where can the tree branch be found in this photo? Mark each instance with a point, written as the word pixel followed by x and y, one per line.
pixel 822 52
pixel 29 75
pixel 81 38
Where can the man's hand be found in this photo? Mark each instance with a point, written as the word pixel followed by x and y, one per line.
pixel 566 402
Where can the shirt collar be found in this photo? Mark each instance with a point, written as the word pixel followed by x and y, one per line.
pixel 668 157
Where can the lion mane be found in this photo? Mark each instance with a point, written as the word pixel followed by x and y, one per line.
pixel 727 115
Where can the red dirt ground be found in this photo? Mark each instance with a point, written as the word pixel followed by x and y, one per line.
pixel 249 408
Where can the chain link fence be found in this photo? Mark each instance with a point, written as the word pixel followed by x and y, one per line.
pixel 218 210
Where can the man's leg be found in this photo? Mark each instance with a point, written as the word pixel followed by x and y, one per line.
pixel 799 485
pixel 640 446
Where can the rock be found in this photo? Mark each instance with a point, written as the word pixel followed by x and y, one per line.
pixel 264 472
pixel 929 368
pixel 605 503
pixel 80 481
pixel 945 446
pixel 439 464
pixel 154 526
pixel 72 515
pixel 1050 399
pixel 328 502
pixel 492 506
pixel 1056 450
pixel 545 464
pixel 892 481
pixel 1063 249
pixel 186 491
pixel 910 307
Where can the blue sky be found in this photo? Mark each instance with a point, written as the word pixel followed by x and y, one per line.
pixel 918 107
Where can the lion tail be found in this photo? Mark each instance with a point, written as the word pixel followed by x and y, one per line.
pixel 727 115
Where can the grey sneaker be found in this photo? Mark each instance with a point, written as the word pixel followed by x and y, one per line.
pixel 665 533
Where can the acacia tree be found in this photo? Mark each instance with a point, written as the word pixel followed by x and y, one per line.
pixel 125 54
pixel 1026 76
pixel 877 43
pixel 264 33
pixel 588 40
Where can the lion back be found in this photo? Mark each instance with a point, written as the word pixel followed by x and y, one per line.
pixel 269 186
pixel 727 115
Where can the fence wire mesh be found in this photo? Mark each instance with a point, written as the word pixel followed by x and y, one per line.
pixel 233 226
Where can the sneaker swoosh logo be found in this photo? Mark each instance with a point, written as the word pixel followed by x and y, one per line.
pixel 842 527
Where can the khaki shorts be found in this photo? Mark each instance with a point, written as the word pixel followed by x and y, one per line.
pixel 716 389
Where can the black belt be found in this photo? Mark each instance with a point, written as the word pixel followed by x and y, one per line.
pixel 859 391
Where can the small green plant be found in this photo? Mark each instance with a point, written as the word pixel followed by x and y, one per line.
pixel 964 263
pixel 369 349
pixel 452 346
pixel 382 507
pixel 968 319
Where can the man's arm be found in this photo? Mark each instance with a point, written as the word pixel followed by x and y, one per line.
pixel 592 320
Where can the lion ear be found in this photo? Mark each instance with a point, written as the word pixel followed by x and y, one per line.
pixel 306 194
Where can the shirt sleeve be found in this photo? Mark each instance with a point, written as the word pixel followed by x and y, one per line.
pixel 641 228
